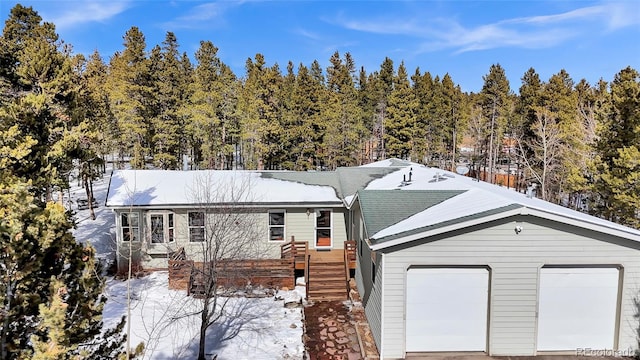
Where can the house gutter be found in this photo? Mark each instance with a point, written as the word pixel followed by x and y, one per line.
pixel 382 306
pixel 444 229
pixel 237 205
pixel 631 234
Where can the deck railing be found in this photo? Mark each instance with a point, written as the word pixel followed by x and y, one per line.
pixel 349 260
pixel 296 250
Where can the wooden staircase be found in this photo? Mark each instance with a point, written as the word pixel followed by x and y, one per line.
pixel 197 287
pixel 327 281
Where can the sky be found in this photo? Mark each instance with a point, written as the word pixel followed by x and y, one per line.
pixel 591 40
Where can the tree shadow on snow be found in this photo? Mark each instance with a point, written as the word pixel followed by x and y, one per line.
pixel 245 322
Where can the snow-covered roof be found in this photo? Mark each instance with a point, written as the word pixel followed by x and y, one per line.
pixel 440 198
pixel 185 188
pixel 475 200
pixel 393 162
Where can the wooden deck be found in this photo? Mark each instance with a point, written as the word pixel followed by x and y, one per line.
pixel 327 255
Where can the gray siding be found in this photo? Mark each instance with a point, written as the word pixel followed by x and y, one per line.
pixel 366 287
pixel 302 226
pixel 515 260
pixel 373 308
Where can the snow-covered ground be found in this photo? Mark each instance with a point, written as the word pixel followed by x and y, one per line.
pixel 255 327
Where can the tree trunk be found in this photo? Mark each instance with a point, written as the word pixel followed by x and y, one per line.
pixel 204 324
pixel 89 192
pixel 5 322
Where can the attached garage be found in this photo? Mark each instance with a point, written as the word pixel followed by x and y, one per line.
pixel 577 308
pixel 447 309
pixel 491 271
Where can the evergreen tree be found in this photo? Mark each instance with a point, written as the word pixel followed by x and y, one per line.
pixel 530 98
pixel 382 87
pixel 129 92
pixel 616 179
pixel 274 131
pixel 212 93
pixel 495 103
pixel 261 108
pixel 169 85
pixel 454 120
pixel 40 256
pixel 38 252
pixel 401 118
pixel 38 80
pixel 97 106
pixel 304 128
pixel 366 103
pixel 343 138
pixel 423 133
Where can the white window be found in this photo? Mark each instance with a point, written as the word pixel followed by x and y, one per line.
pixel 196 226
pixel 276 225
pixel 130 223
pixel 161 227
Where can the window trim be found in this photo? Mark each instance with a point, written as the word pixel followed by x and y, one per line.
pixel 136 234
pixel 330 228
pixel 283 226
pixel 190 227
pixel 168 231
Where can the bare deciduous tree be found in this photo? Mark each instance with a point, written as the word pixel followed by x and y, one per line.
pixel 225 228
pixel 547 149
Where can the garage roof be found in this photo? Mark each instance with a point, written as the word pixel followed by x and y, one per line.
pixel 383 208
pixel 475 202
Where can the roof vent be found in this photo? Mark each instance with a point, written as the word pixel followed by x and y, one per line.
pixel 406 182
pixel 439 177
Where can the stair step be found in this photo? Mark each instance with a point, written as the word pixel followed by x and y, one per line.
pixel 328 285
pixel 327 293
pixel 327 280
pixel 326 296
pixel 325 274
pixel 326 266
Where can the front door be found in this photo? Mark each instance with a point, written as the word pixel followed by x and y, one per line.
pixel 324 239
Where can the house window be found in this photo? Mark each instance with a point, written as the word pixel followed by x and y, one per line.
pixel 130 226
pixel 196 226
pixel 276 225
pixel 323 228
pixel 373 266
pixel 361 239
pixel 170 227
pixel 161 228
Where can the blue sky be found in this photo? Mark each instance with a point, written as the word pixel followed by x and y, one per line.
pixel 589 39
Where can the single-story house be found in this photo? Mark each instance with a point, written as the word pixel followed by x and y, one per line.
pixel 450 264
pixel 159 211
pixel 444 263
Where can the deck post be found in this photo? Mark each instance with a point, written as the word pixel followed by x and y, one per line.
pixel 306 275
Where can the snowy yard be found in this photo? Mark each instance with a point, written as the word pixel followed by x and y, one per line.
pixel 255 327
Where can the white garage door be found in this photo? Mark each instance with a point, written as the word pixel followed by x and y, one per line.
pixel 447 309
pixel 577 308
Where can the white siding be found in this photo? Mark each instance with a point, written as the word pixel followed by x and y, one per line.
pixel 515 260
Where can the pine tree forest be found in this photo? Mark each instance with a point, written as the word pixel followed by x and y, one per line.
pixel 153 106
